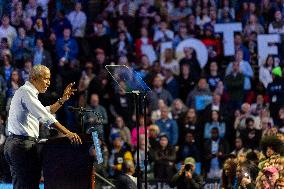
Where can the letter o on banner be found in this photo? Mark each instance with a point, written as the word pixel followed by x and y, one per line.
pixel 198 46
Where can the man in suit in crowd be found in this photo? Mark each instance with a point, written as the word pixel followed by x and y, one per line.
pixel 126 180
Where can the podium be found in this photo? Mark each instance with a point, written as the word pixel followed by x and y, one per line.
pixel 66 166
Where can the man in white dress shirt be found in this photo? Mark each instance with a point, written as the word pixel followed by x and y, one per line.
pixel 6 30
pixel 25 114
pixel 78 20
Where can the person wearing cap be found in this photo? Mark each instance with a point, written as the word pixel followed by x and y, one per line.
pixel 186 178
pixel 272 174
pixel 275 91
pixel 118 154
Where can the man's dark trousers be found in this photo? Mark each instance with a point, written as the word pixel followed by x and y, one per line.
pixel 22 156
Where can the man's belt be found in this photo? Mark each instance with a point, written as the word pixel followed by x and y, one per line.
pixel 24 137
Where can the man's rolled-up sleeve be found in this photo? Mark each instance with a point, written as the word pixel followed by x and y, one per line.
pixel 37 109
pixel 48 108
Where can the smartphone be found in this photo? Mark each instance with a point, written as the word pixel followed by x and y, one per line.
pixel 246 175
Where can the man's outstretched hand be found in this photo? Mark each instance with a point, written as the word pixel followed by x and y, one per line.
pixel 74 138
pixel 68 91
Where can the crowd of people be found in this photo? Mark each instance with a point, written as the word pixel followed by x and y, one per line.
pixel 223 121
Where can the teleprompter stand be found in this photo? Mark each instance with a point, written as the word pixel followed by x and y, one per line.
pixel 128 80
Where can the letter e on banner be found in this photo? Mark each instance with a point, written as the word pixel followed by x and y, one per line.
pixel 266 46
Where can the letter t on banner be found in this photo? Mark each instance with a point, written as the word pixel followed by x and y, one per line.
pixel 266 46
pixel 228 30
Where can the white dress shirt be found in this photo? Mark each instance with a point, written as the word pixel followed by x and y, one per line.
pixel 273 30
pixel 134 179
pixel 160 36
pixel 44 6
pixel 265 76
pixel 78 21
pixel 10 33
pixel 26 111
pixel 173 66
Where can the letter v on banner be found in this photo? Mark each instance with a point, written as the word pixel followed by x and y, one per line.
pixel 97 147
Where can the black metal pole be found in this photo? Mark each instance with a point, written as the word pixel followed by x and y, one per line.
pixel 81 113
pixel 146 140
pixel 136 102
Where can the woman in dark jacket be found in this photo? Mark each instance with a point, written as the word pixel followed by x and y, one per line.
pixel 229 173
pixel 164 159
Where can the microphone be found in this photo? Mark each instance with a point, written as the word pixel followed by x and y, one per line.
pixel 79 109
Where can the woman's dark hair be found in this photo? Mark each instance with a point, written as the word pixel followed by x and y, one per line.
pixel 163 135
pixel 186 118
pixel 5 16
pixel 228 180
pixel 9 58
pixel 3 116
pixel 272 142
pixel 239 34
pixel 194 55
pixel 266 60
pixel 249 119
pixel 219 117
pixel 190 132
pixel 252 156
pixel 4 40
pixel 250 168
pixel 39 38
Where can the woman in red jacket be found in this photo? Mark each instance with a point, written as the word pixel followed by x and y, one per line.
pixel 144 45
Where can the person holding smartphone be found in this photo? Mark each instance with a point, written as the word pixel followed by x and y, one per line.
pixel 186 178
pixel 246 174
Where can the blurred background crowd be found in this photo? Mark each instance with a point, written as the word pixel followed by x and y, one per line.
pixel 223 121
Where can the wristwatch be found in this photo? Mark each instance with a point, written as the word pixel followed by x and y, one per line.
pixel 60 101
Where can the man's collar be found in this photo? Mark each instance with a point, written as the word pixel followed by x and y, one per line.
pixel 28 83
